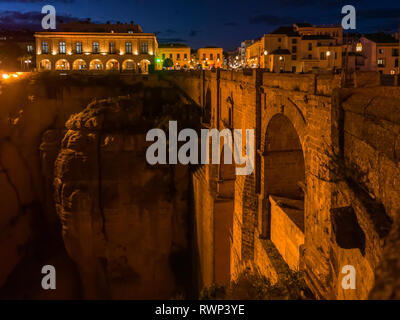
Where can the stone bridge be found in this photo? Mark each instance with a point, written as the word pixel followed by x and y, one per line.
pixel 325 190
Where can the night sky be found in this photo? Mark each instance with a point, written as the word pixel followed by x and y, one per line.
pixel 203 22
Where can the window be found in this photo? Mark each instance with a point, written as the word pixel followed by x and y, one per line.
pixel 163 56
pixel 111 47
pixel 310 46
pixel 45 47
pixel 95 47
pixel 130 31
pixel 204 56
pixel 185 56
pixel 211 56
pixel 279 40
pixel 310 56
pixel 178 56
pixel 380 51
pixel 294 41
pixel 145 47
pixel 294 49
pixel 170 55
pixel 29 48
pixel 294 57
pixel 78 47
pixel 395 52
pixel 359 47
pixel 322 55
pixel 396 62
pixel 61 47
pixel 381 63
pixel 128 47
pixel 218 56
pixel 335 55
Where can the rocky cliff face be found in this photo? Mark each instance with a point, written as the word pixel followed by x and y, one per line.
pixel 138 243
pixel 124 222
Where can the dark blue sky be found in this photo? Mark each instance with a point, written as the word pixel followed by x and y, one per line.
pixel 206 22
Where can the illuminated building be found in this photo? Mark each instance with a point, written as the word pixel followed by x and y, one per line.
pixel 210 57
pixel 380 52
pixel 94 47
pixel 297 48
pixel 178 53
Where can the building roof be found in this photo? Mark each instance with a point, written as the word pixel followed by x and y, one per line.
pixel 286 30
pixel 381 38
pixel 88 26
pixel 281 51
pixel 172 45
pixel 317 37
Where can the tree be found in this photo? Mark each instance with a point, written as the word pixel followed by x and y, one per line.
pixel 168 63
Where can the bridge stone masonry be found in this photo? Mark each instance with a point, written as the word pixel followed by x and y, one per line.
pixel 325 191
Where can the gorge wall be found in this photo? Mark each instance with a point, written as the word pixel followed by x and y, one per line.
pixel 106 256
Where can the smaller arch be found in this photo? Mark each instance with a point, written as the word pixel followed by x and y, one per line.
pixel 112 64
pixel 144 66
pixel 96 64
pixel 45 64
pixel 129 65
pixel 79 64
pixel 62 64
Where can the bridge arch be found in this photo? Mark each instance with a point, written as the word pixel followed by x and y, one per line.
pixel 283 187
pixel 223 215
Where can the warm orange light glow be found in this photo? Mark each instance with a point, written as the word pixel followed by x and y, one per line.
pixel 15 75
pixel 6 75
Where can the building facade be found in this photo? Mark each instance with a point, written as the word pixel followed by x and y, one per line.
pixel 178 53
pixel 298 48
pixel 210 57
pixel 112 48
pixel 380 52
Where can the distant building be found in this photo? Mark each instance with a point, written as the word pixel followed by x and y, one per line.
pixel 17 50
pixel 380 52
pixel 86 46
pixel 178 53
pixel 298 48
pixel 210 57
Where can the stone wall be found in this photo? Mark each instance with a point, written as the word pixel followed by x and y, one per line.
pixel 345 135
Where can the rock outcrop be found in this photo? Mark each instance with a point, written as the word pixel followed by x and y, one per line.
pixel 124 222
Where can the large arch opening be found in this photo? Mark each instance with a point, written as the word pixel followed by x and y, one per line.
pixel 62 64
pixel 284 186
pixel 129 65
pixel 45 65
pixel 112 64
pixel 79 64
pixel 96 64
pixel 144 66
pixel 223 215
